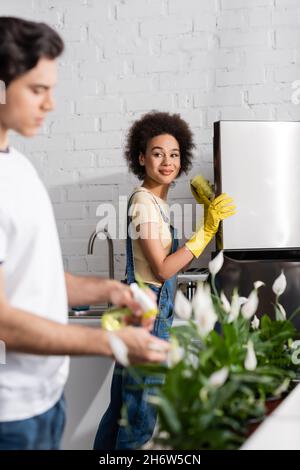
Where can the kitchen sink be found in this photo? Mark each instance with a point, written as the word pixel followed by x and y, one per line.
pixel 95 311
pixel 187 281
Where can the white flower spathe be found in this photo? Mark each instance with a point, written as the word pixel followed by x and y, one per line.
pixel 279 284
pixel 250 361
pixel 216 264
pixel 204 313
pixel 280 312
pixel 153 399
pixel 258 284
pixel 217 379
pixel 119 349
pixel 225 302
pixel 234 307
pixel 255 323
pixel 249 308
pixel 182 307
pixel 186 373
pixel 146 302
pixel 175 354
pixel 242 300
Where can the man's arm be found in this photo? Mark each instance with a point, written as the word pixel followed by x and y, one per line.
pixel 88 290
pixel 25 332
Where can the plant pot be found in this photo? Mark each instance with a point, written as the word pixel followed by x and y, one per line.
pixel 294 382
pixel 272 403
pixel 252 425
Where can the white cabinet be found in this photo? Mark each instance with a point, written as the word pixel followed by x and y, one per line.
pixel 281 430
pixel 87 396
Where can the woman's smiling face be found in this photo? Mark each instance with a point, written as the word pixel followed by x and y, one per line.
pixel 162 159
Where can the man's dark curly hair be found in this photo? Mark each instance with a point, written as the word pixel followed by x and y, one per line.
pixel 22 44
pixel 151 125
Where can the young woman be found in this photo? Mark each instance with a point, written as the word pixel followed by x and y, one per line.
pixel 159 149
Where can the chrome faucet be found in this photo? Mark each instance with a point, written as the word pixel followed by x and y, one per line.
pixel 110 249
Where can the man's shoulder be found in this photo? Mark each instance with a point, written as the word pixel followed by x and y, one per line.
pixel 16 160
pixel 16 154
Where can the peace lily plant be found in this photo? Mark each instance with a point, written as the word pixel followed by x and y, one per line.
pixel 224 364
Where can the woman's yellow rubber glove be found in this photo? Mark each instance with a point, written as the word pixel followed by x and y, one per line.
pixel 202 190
pixel 219 209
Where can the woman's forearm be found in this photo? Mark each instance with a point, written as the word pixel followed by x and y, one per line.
pixel 173 264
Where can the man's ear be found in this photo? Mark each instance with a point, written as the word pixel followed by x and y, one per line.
pixel 142 159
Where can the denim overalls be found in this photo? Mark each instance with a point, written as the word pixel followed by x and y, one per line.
pixel 125 389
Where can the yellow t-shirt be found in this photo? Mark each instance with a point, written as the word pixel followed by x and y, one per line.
pixel 145 207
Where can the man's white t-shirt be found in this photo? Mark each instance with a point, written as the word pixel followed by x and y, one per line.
pixel 30 257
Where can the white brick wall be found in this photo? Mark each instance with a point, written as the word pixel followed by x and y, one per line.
pixel 206 59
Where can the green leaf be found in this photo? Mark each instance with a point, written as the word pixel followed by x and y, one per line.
pixel 169 414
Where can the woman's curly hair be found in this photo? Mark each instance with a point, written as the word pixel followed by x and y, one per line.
pixel 151 125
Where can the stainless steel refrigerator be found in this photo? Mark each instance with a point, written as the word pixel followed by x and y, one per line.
pixel 258 164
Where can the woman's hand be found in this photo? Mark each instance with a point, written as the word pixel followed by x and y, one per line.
pixel 219 209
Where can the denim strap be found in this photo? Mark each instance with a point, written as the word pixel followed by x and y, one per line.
pixel 170 284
